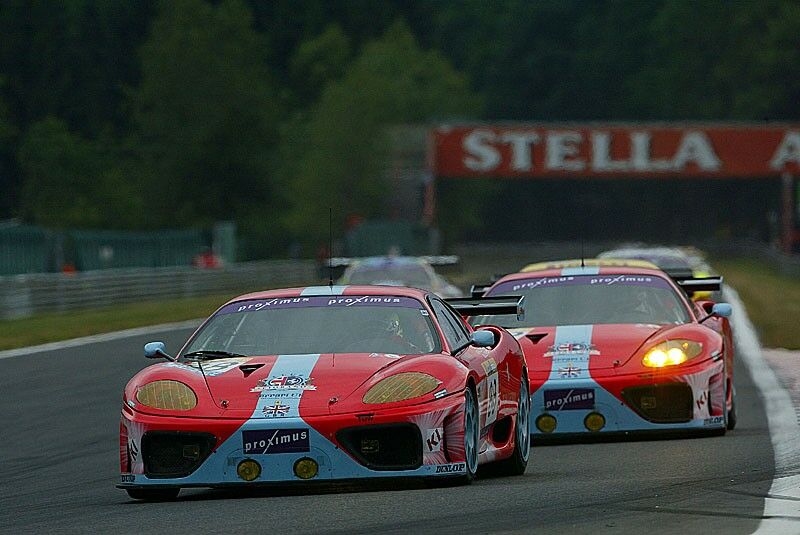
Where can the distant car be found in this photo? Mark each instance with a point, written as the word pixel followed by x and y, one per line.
pixel 620 349
pixel 327 383
pixel 416 272
pixel 677 262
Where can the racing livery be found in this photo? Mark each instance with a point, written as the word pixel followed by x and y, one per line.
pixel 322 383
pixel 620 347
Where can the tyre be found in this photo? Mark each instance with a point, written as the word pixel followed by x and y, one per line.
pixel 518 462
pixel 731 414
pixel 153 495
pixel 471 436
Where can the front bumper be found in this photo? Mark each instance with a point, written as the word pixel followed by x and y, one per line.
pixel 692 400
pixel 277 444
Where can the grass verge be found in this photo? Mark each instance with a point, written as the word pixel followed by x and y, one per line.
pixel 45 328
pixel 772 300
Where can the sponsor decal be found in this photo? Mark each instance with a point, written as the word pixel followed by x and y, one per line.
pixel 257 305
pixel 434 439
pixel 570 348
pixel 133 450
pixel 268 441
pixel 423 312
pixel 569 372
pixel 451 468
pixel 547 281
pixel 284 382
pixel 277 410
pixel 567 399
pixel 580 280
pixel 127 478
pixel 714 420
pixel 366 417
pixel 388 355
pixel 701 401
pixel 440 394
pixel 281 394
pixel 492 390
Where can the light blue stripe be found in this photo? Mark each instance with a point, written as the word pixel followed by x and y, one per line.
pixel 588 270
pixel 324 290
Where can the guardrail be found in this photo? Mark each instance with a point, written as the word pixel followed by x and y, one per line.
pixel 24 295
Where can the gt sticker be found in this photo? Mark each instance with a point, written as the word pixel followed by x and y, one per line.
pixel 492 390
pixel 127 478
pixel 284 382
pixel 454 468
pixel 268 441
pixel 433 440
pixel 568 399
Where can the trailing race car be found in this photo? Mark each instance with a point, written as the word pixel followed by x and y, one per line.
pixel 325 383
pixel 676 262
pixel 416 272
pixel 621 349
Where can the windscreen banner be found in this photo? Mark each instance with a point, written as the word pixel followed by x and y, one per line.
pixel 631 150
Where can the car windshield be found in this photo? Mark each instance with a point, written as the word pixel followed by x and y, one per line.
pixel 591 299
pixel 315 324
pixel 401 275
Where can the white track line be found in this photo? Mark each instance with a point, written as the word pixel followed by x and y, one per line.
pixel 95 338
pixel 781 506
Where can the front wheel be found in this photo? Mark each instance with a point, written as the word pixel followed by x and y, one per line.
pixel 518 462
pixel 731 414
pixel 153 495
pixel 471 436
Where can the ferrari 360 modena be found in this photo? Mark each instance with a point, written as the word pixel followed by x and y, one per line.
pixel 614 346
pixel 328 383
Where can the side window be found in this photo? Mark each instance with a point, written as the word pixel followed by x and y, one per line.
pixel 453 328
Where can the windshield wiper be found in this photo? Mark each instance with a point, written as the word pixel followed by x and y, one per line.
pixel 210 354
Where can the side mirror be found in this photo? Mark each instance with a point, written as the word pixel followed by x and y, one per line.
pixel 719 310
pixel 156 350
pixel 482 338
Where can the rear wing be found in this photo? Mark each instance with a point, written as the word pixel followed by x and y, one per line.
pixel 700 284
pixel 479 290
pixel 489 306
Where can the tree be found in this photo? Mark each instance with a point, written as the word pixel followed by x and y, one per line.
pixel 205 115
pixel 70 181
pixel 337 158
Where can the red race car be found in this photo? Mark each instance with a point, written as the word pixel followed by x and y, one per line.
pixel 322 383
pixel 613 348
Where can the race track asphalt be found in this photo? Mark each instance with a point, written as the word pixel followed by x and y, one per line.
pixel 59 420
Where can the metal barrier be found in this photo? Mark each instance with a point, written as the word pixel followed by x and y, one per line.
pixel 24 295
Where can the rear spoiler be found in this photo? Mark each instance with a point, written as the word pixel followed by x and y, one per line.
pixel 485 306
pixel 679 274
pixel 479 290
pixel 704 284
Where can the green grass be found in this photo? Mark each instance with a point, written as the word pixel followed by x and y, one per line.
pixel 53 327
pixel 772 300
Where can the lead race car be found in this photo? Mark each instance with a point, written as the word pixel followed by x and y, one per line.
pixel 616 346
pixel 322 383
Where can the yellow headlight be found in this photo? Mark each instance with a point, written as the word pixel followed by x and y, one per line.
pixel 672 353
pixel 167 395
pixel 400 387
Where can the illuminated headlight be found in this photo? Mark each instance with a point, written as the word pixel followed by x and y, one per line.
pixel 167 396
pixel 672 353
pixel 400 387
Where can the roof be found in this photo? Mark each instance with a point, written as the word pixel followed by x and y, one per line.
pixel 590 262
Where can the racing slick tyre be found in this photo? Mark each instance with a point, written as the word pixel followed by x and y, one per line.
pixel 731 416
pixel 471 436
pixel 153 495
pixel 518 462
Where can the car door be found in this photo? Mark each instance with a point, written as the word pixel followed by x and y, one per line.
pixel 478 359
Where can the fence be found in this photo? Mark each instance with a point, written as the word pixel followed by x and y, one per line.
pixel 25 295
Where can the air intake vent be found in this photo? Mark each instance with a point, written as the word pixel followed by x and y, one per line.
pixel 175 453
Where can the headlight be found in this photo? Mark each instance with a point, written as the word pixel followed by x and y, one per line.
pixel 167 396
pixel 400 387
pixel 672 353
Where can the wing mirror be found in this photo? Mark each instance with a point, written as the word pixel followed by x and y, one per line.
pixel 156 350
pixel 719 310
pixel 482 339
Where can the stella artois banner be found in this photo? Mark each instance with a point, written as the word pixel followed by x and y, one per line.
pixel 668 151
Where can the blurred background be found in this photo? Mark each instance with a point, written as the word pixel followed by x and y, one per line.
pixel 205 133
